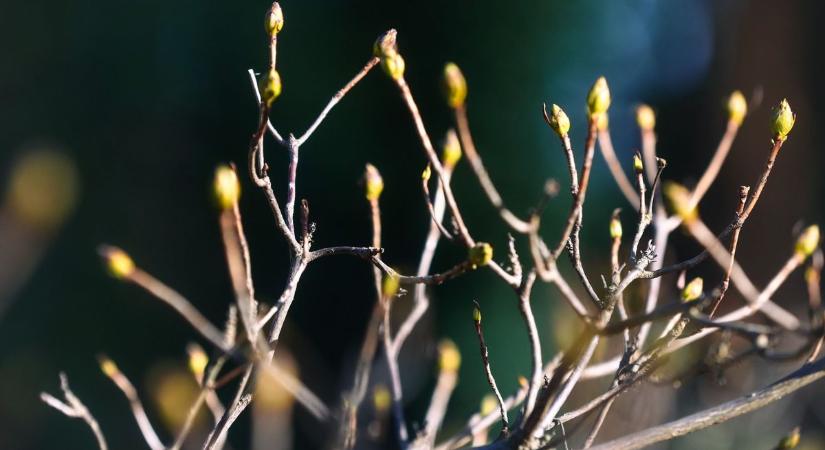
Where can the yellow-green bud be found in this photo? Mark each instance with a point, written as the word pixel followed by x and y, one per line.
pixel 274 19
pixel 480 254
pixel 198 360
pixel 790 441
pixel 449 358
pixel 107 366
pixel 558 121
pixel 373 182
pixel 693 290
pixel 598 100
pixel 386 44
pixel 271 87
pixel 522 381
pixel 737 107
pixel 390 286
pixel 645 117
pixel 455 86
pixel 678 197
pixel 808 241
pixel 425 175
pixel 782 120
pixel 120 265
pixel 615 228
pixel 638 166
pixel 381 398
pixel 451 153
pixel 227 187
pixel 476 314
pixel 394 66
pixel 488 404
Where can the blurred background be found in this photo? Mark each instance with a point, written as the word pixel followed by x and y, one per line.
pixel 113 116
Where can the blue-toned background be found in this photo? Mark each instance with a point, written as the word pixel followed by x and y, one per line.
pixel 114 114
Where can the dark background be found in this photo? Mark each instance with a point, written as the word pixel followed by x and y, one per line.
pixel 146 98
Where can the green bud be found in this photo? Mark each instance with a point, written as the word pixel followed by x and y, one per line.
pixel 558 120
pixel 808 241
pixel 374 182
pixel 393 66
pixel 598 100
pixel 425 175
pixel 693 290
pixel 274 19
pixel 390 286
pixel 449 358
pixel 227 188
pixel 678 198
pixel 455 86
pixel 782 120
pixel 615 228
pixel 638 166
pixel 790 441
pixel 737 107
pixel 451 153
pixel 476 314
pixel 645 117
pixel 480 254
pixel 270 87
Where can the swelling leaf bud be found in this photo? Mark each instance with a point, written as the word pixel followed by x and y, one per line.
pixel 274 19
pixel 119 264
pixel 107 366
pixel 782 120
pixel 790 441
pixel 645 117
pixel 598 100
pixel 737 107
pixel 678 197
pixel 394 66
pixel 476 312
pixel 449 359
pixel 807 242
pixel 488 404
pixel 455 85
pixel 227 187
pixel 389 287
pixel 374 183
pixel 197 360
pixel 638 166
pixel 451 153
pixel 558 121
pixel 381 398
pixel 270 87
pixel 615 228
pixel 693 290
pixel 425 175
pixel 480 254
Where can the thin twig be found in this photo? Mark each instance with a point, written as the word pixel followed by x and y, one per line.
pixel 485 361
pixel 74 408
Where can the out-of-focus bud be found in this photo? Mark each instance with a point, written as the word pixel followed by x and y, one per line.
pixel 678 197
pixel 790 441
pixel 598 100
pixel 638 166
pixel 737 107
pixel 271 87
pixel 107 366
pixel 476 314
pixel 449 359
pixel 119 264
pixel 782 120
pixel 389 286
pixel 451 153
pixel 274 19
pixel 374 183
pixel 197 360
pixel 558 121
pixel 488 404
pixel 480 254
pixel 807 242
pixel 394 66
pixel 381 398
pixel 693 290
pixel 645 117
pixel 615 228
pixel 386 44
pixel 522 381
pixel 227 187
pixel 43 188
pixel 455 85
